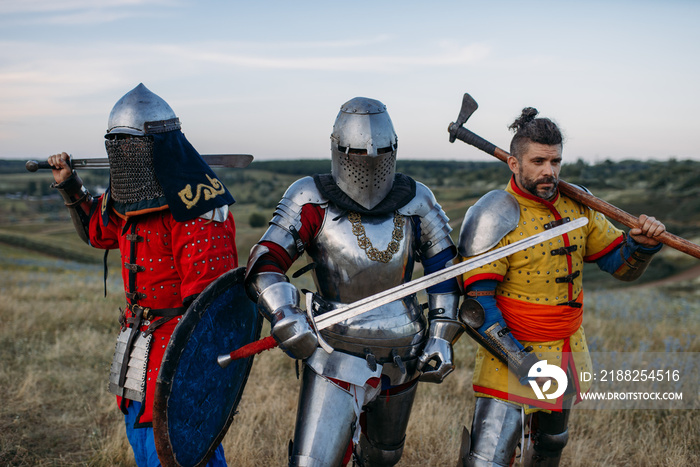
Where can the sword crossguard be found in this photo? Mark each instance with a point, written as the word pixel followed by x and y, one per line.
pixel 309 314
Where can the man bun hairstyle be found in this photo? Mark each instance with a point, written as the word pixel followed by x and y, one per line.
pixel 529 129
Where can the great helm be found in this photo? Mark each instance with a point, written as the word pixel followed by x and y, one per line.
pixel 140 112
pixel 363 151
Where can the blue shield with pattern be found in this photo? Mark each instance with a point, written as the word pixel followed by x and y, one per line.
pixel 195 398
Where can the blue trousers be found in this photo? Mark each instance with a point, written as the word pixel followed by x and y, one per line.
pixel 144 446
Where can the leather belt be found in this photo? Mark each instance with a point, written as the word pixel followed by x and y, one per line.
pixel 481 293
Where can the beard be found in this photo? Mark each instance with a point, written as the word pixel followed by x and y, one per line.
pixel 531 186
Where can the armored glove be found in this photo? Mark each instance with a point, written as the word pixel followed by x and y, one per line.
pixel 439 349
pixel 444 331
pixel 292 330
pixel 279 303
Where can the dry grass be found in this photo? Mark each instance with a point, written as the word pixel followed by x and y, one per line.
pixel 57 338
pixel 55 348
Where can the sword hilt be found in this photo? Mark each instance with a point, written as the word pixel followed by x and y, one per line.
pixel 369 303
pixel 33 166
pixel 310 315
pixel 247 350
pixel 269 342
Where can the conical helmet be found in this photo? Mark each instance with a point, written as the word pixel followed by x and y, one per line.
pixel 140 112
pixel 130 147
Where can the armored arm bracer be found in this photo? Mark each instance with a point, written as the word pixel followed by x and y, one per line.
pixel 278 301
pixel 283 232
pixel 74 194
pixel 436 244
pixel 276 296
pixel 633 266
pixel 443 316
pixel 437 359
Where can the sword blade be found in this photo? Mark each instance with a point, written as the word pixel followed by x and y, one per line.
pixel 236 161
pixel 370 303
pixel 382 298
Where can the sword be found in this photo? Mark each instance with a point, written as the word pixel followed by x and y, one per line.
pixel 364 305
pixel 237 161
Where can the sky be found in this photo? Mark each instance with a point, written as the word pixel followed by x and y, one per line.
pixel 621 78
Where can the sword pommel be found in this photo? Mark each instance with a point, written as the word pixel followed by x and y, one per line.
pixel 224 360
pixel 33 166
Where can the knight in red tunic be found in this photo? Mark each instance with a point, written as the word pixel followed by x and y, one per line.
pixel 168 215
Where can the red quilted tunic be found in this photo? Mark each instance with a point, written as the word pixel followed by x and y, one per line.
pixel 179 259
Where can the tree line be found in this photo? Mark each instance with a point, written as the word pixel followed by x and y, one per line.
pixel 670 187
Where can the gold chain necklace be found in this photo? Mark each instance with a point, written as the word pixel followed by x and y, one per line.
pixel 366 244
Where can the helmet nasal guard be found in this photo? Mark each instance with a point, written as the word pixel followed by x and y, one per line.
pixel 363 151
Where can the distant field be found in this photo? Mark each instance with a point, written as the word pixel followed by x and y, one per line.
pixel 32 214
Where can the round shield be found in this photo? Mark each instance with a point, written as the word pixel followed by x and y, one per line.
pixel 195 398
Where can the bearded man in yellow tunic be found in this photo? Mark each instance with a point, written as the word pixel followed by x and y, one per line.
pixel 526 310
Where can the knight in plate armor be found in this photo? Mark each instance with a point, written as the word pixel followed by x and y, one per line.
pixel 167 214
pixel 363 228
pixel 526 310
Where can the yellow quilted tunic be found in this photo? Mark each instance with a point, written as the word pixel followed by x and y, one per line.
pixel 540 293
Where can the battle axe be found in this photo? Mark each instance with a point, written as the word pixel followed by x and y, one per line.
pixel 457 131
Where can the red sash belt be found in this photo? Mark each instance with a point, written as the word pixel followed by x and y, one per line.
pixel 540 323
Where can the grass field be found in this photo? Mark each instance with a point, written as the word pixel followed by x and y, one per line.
pixel 58 335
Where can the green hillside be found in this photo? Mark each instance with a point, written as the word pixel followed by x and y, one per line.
pixel 32 215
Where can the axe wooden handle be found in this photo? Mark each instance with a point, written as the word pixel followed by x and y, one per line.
pixel 575 193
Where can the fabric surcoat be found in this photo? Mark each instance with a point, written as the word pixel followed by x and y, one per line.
pixel 174 261
pixel 540 293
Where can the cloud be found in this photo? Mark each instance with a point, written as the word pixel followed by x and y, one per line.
pixel 51 6
pixel 88 67
pixel 464 55
pixel 77 12
pixel 40 80
pixel 320 44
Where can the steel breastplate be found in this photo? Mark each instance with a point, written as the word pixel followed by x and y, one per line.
pixel 344 273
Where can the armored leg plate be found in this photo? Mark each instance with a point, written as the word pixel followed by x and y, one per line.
pixel 325 421
pixel 549 436
pixel 384 433
pixel 496 430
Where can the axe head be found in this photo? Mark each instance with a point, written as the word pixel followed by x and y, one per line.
pixel 469 105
